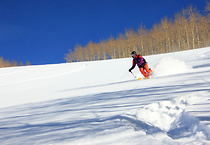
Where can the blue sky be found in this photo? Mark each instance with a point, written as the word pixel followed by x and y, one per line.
pixel 42 31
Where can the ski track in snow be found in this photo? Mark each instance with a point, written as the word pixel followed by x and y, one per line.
pixel 44 74
pixel 170 108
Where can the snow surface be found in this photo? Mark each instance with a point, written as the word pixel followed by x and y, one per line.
pixel 101 103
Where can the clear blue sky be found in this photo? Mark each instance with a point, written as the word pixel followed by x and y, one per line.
pixel 42 31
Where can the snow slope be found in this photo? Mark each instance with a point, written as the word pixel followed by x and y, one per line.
pixel 101 103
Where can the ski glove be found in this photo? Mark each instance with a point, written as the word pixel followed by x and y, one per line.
pixel 129 70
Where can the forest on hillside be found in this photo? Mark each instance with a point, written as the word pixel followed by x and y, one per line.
pixel 7 63
pixel 189 29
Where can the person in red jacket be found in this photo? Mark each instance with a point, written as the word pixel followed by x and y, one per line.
pixel 141 63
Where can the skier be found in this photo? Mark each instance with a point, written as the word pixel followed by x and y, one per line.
pixel 141 63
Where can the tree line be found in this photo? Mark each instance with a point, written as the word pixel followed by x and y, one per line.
pixel 7 63
pixel 189 29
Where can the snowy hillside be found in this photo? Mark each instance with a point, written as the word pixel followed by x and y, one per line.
pixel 101 103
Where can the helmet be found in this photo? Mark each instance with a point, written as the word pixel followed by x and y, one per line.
pixel 133 53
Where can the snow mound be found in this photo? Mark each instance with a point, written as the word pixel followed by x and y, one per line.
pixel 171 118
pixel 163 113
pixel 169 66
pixel 188 126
